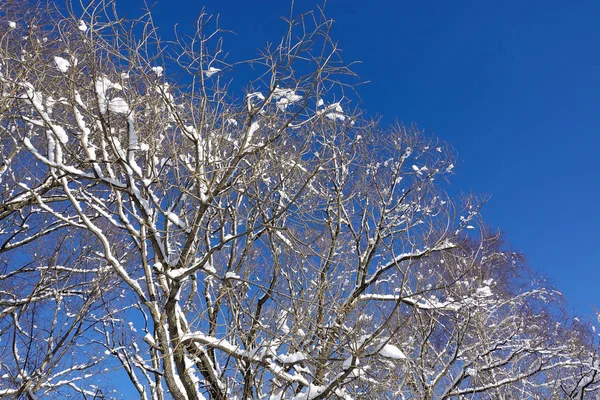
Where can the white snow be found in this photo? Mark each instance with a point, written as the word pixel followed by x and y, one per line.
pixel 231 275
pixel 253 128
pixel 282 323
pixel 118 105
pixel 285 97
pixel 311 392
pixel 82 26
pixel 210 269
pixel 250 99
pixel 391 351
pixel 211 71
pixel 102 85
pixel 61 64
pixel 484 291
pixel 60 133
pixel 418 170
pixel 12 24
pixel 292 358
pixel 223 343
pixel 158 71
pixel 174 218
pixel 335 115
pixel 283 238
pixel 276 396
pixel 134 140
pixel 258 95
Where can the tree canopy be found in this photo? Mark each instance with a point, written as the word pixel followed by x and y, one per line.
pixel 263 241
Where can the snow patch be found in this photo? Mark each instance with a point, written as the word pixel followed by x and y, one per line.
pixel 253 128
pixel 484 291
pixel 61 134
pixel 391 351
pixel 158 71
pixel 102 85
pixel 285 97
pixel 231 275
pixel 211 71
pixel 118 105
pixel 61 64
pixel 335 115
pixel 174 218
pixel 292 358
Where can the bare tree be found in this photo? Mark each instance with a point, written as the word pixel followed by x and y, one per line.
pixel 271 244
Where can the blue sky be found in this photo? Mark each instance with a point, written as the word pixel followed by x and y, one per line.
pixel 514 86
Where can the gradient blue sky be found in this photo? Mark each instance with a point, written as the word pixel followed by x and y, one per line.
pixel 514 86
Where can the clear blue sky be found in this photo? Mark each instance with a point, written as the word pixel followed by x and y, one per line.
pixel 514 86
